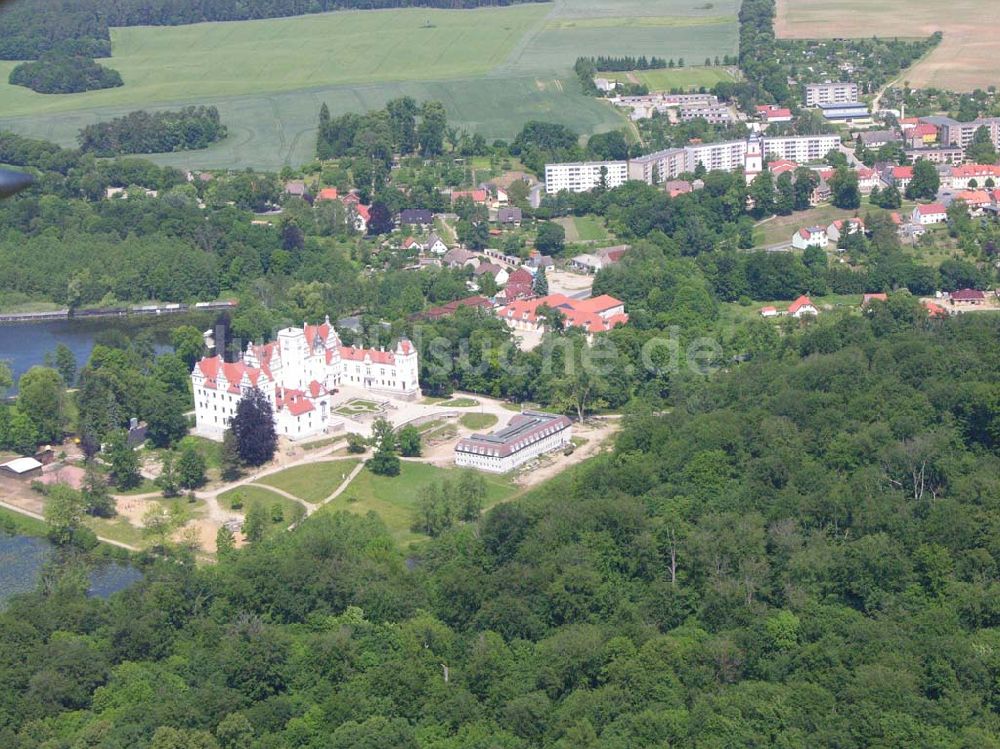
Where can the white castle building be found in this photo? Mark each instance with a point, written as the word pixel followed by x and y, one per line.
pixel 299 373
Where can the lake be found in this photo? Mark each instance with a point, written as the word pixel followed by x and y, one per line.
pixel 22 559
pixel 25 344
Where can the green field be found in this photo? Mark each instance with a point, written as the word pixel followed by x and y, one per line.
pixel 493 68
pixel 395 499
pixel 312 482
pixel 478 421
pixel 684 78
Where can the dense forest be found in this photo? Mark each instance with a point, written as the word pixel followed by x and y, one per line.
pixel 29 28
pixel 62 73
pixel 802 552
pixel 157 132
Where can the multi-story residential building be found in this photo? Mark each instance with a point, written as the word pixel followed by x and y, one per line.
pixel 583 176
pixel 954 133
pixel 298 374
pixel 661 166
pixel 726 156
pixel 526 436
pixel 801 149
pixel 936 154
pixel 716 114
pixel 830 93
pixel 959 177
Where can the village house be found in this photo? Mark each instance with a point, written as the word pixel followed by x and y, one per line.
pixel 899 177
pixel 449 309
pixel 844 226
pixel 459 258
pixel 869 298
pixel 927 214
pixel 813 236
pixel 868 180
pixel 771 113
pixel 419 217
pixel 802 306
pixel 498 274
pixel 435 245
pixel 520 285
pixel 978 201
pixel 769 311
pixel 967 296
pixel 327 193
pixel 297 188
pixel 298 374
pixel 878 138
pixel 509 216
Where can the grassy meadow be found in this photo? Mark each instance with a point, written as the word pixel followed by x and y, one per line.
pixel 493 68
pixel 312 482
pixel 684 78
pixel 394 499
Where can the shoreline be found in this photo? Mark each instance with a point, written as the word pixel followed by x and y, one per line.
pixel 143 310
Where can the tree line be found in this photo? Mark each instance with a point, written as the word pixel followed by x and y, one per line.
pixel 156 132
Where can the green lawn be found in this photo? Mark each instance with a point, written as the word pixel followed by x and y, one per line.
pixel 478 421
pixel 492 68
pixel 684 78
pixel 313 482
pixel 249 494
pixel 459 403
pixel 781 228
pixel 394 499
pixel 590 229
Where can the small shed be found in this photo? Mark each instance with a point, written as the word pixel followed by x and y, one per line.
pixel 22 468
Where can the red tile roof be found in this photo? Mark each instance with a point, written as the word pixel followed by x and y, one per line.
pixel 799 303
pixel 967 295
pixel 327 193
pixel 902 172
pixel 930 209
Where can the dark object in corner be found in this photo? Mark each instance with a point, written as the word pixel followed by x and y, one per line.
pixel 13 182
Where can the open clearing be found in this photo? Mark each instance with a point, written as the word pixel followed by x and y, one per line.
pixel 312 482
pixel 968 56
pixel 493 68
pixel 394 499
pixel 683 78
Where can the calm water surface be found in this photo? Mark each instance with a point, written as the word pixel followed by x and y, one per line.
pixel 23 557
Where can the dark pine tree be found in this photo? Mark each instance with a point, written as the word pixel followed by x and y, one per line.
pixel 253 427
pixel 380 219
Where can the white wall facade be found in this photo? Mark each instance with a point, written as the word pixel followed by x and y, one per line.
pixel 494 463
pixel 583 176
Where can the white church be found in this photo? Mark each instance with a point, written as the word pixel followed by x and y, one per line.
pixel 299 373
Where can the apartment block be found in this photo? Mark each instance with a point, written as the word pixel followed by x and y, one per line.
pixel 583 176
pixel 830 93
pixel 801 149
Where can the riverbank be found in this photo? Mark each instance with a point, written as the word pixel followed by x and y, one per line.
pixel 146 309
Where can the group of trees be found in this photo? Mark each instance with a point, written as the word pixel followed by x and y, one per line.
pixel 603 63
pixel 157 132
pixel 403 127
pixel 796 554
pixel 61 73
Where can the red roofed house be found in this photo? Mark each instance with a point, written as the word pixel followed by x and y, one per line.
pixel 813 236
pixel 768 311
pixel 327 193
pixel 596 315
pixel 933 213
pixel 476 196
pixel 977 200
pixel 867 298
pixel 900 176
pixel 779 167
pixel 361 214
pixel 844 226
pixel 921 135
pixel 772 113
pixel 967 296
pixel 935 310
pixel 868 180
pixel 298 374
pixel 520 285
pixel 449 309
pixel 802 306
